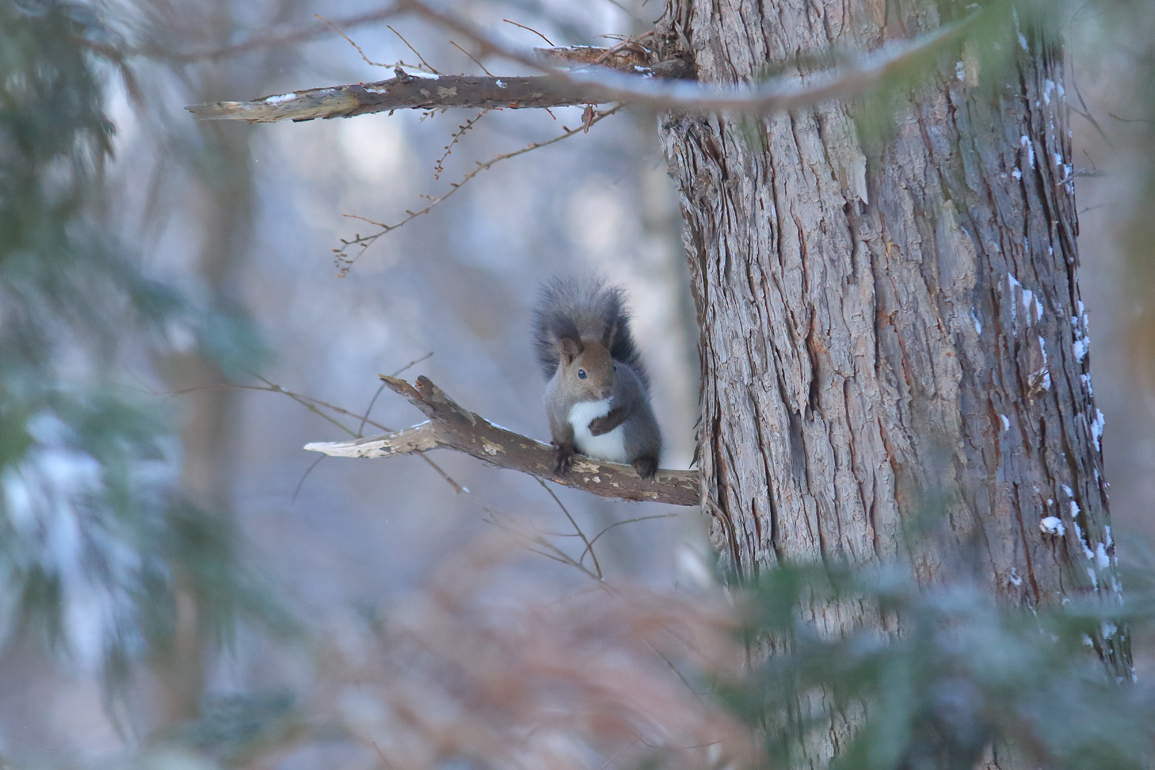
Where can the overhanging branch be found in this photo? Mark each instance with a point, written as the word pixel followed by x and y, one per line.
pixel 616 79
pixel 453 427
pixel 407 91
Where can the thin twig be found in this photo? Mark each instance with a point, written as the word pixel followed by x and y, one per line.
pixel 438 168
pixel 311 404
pixel 414 50
pixel 350 41
pixel 304 476
pixel 530 29
pixel 381 754
pixel 344 261
pixel 550 551
pixel 305 402
pixel 628 746
pixel 397 373
pixel 1086 113
pixel 297 35
pixel 471 56
pixel 589 545
pixel 1130 120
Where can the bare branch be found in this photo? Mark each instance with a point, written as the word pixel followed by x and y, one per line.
pixel 453 427
pixel 656 86
pixel 405 91
pixel 783 93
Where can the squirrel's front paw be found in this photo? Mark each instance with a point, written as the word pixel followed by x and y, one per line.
pixel 600 425
pixel 564 458
pixel 646 466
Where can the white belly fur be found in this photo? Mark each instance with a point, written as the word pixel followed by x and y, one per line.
pixel 608 446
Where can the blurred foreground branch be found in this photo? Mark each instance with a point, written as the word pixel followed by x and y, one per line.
pixel 452 427
pixel 613 76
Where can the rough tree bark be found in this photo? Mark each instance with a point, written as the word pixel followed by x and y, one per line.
pixel 892 323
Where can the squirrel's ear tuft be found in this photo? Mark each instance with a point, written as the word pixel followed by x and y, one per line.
pixel 570 349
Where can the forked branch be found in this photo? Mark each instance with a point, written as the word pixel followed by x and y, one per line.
pixel 452 427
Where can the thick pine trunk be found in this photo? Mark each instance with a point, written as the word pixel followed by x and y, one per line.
pixel 891 324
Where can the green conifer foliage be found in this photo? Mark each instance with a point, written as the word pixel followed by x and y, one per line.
pixel 92 526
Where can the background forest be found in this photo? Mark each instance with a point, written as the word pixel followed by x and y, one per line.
pixel 182 584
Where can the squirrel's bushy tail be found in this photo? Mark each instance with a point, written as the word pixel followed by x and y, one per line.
pixel 584 309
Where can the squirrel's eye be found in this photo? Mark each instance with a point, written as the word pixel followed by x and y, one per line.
pixel 581 374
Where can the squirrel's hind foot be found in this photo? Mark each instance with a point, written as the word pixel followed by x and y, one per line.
pixel 646 466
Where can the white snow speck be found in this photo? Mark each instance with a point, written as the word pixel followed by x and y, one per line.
pixel 1097 426
pixel 1029 146
pixel 1052 525
pixel 280 98
pixel 978 326
pixel 1013 283
pixel 1079 531
pixel 960 70
pixel 1108 629
pixel 501 84
pixel 1016 173
pixel 1101 557
pixel 423 75
pixel 1014 578
pixel 1048 86
pixel 1043 350
pixel 1006 422
pixel 1094 578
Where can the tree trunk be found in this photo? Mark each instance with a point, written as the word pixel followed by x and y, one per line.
pixel 890 319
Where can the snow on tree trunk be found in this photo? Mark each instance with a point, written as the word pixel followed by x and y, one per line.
pixel 891 322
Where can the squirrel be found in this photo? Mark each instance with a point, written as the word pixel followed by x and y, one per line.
pixel 598 398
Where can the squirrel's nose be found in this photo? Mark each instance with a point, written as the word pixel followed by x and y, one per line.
pixel 607 392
